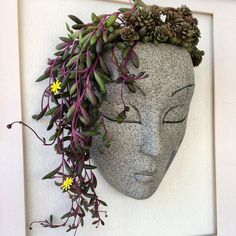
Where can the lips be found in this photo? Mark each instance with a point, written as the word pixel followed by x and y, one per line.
pixel 144 177
pixel 147 174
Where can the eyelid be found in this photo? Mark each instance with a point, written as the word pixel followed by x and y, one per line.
pixel 174 121
pixel 127 120
pixel 179 90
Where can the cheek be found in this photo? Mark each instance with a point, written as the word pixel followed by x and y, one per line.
pixel 125 143
pixel 175 134
pixel 125 137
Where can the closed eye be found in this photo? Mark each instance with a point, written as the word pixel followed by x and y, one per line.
pixel 132 116
pixel 176 114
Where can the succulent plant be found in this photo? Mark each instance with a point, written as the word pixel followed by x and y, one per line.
pixel 163 25
pixel 129 34
pixel 77 77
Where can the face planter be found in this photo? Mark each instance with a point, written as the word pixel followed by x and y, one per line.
pixel 141 119
pixel 144 146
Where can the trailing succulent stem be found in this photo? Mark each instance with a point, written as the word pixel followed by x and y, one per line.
pixel 77 79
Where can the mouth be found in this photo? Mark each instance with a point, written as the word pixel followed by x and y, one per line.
pixel 144 177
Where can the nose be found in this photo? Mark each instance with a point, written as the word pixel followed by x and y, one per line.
pixel 151 134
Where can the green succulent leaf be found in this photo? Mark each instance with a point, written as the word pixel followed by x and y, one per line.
pixel 94 18
pixel 99 45
pixel 134 59
pixel 123 9
pixel 52 111
pixel 121 117
pixel 126 52
pixel 68 29
pixel 68 215
pixel 90 133
pixel 91 96
pixel 104 77
pixel 42 77
pixel 75 19
pixel 72 61
pixel 93 39
pixel 53 137
pixel 61 46
pixel 64 83
pixel 100 82
pixel 104 66
pixel 66 40
pixel 103 203
pixel 90 167
pixel 71 111
pixel 52 173
pixel 111 20
pixel 73 88
pixel 77 26
pixel 40 115
pixel 121 45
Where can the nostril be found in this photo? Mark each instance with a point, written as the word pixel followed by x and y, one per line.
pixel 149 162
pixel 151 148
pixel 143 153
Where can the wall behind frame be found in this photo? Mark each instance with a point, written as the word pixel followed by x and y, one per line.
pixel 183 204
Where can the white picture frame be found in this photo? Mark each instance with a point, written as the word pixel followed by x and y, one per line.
pixel 224 38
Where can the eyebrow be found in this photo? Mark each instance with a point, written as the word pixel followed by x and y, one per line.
pixel 179 90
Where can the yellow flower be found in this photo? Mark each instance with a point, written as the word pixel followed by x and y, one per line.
pixel 56 86
pixel 67 183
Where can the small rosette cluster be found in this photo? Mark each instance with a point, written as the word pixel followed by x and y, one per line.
pixel 175 26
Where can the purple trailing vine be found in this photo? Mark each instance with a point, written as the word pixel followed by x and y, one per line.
pixel 77 79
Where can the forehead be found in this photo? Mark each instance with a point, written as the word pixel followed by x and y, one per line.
pixel 169 67
pixel 170 72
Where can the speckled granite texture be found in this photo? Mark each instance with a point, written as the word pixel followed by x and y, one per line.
pixel 143 149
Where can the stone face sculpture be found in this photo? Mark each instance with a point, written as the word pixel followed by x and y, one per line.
pixel 144 146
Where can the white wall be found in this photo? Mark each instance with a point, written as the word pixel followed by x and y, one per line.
pixel 182 205
pixel 12 212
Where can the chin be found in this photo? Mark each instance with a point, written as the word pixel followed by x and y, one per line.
pixel 140 191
